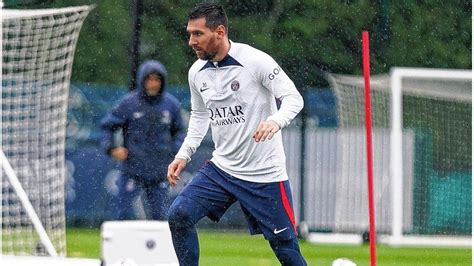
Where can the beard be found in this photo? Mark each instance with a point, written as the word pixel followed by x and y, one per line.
pixel 210 53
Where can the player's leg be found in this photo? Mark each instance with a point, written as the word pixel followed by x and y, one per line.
pixel 156 201
pixel 201 197
pixel 268 209
pixel 122 203
pixel 285 246
pixel 183 215
pixel 273 217
pixel 288 252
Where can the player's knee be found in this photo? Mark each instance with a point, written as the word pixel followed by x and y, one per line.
pixel 179 216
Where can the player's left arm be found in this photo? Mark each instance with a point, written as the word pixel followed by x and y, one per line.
pixel 274 78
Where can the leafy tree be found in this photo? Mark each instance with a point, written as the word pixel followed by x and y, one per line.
pixel 307 37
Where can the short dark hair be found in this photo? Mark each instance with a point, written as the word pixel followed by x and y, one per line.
pixel 213 13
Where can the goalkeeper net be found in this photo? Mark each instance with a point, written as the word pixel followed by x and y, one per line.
pixel 421 156
pixel 37 55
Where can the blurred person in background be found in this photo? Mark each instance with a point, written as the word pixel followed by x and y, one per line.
pixel 150 127
pixel 233 89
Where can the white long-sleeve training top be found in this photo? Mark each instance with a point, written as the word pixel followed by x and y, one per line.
pixel 233 96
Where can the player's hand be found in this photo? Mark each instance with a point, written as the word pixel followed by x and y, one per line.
pixel 265 130
pixel 174 171
pixel 119 153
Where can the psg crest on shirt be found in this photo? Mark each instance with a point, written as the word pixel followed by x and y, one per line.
pixel 235 85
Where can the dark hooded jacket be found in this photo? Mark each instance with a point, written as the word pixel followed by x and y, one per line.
pixel 152 128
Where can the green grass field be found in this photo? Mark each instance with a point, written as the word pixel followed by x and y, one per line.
pixel 225 248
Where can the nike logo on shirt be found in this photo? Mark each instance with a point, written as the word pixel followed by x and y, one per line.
pixel 276 232
pixel 204 87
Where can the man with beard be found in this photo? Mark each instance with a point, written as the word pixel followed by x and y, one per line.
pixel 233 88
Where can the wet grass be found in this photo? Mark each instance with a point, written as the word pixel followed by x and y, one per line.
pixel 239 248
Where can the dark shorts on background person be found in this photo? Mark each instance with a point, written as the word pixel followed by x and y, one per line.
pixel 267 206
pixel 155 198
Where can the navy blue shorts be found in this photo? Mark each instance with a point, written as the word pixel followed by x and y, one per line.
pixel 267 206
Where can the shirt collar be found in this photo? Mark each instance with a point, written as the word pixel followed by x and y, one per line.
pixel 228 60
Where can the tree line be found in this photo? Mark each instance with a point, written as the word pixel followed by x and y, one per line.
pixel 307 37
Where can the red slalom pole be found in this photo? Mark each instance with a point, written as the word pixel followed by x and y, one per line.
pixel 368 127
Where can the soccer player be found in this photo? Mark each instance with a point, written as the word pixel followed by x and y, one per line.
pixel 233 89
pixel 152 130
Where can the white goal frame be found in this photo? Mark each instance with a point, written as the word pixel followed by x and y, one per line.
pixel 23 197
pixel 396 77
pixel 66 48
pixel 392 226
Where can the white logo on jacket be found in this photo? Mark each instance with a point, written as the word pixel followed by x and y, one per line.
pixel 137 115
pixel 166 117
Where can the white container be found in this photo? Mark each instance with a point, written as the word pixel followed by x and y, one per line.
pixel 130 243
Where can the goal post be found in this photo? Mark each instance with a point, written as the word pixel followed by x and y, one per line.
pixel 421 156
pixel 425 83
pixel 37 54
pixel 26 204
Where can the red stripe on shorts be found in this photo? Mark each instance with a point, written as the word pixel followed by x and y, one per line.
pixel 287 205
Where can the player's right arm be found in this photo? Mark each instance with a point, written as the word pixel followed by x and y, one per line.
pixel 197 129
pixel 174 170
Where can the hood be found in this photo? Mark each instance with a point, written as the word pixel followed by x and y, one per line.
pixel 149 67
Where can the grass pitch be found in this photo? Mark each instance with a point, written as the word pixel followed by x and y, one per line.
pixel 239 248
